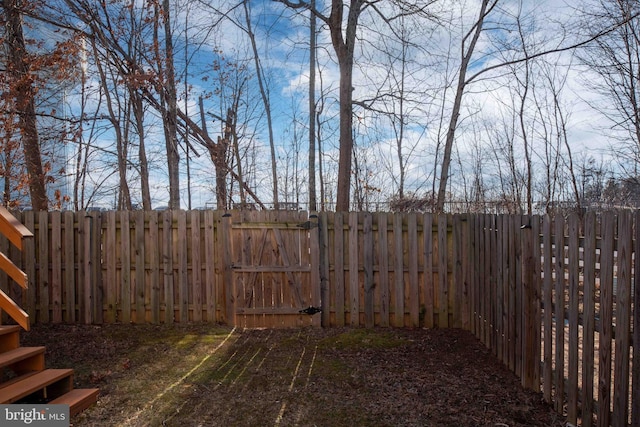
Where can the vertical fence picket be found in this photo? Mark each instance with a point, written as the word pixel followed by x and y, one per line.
pixel 547 304
pixel 487 282
pixel 354 285
pixel 338 282
pixel 428 283
pixel 559 313
pixel 325 271
pixel 56 267
pixel 458 279
pixel 573 267
pixel 153 277
pixel 167 265
pixel 588 327
pixel 443 279
pixel 398 270
pixel 125 270
pixel 623 320
pixel 210 266
pixel 369 285
pixel 196 267
pixel 139 233
pixel 69 253
pixel 606 318
pixel 412 254
pixel 635 382
pixel 383 273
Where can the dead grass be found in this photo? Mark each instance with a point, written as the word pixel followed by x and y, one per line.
pixel 203 375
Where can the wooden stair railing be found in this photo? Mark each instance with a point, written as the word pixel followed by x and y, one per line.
pixel 23 377
pixel 16 232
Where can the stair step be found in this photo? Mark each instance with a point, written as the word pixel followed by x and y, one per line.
pixel 78 399
pixel 24 359
pixel 9 337
pixel 53 382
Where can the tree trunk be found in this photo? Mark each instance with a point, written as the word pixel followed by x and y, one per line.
pixel 312 109
pixel 265 101
pixel 170 116
pixel 457 103
pixel 24 94
pixel 344 50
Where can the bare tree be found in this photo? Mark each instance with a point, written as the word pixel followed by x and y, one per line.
pixel 22 86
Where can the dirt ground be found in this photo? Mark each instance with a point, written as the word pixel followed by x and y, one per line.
pixel 203 375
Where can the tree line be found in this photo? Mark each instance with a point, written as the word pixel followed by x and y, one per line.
pixel 324 105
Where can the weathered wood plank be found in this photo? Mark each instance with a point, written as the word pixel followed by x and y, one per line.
pixel 443 276
pixel 398 271
pixel 623 320
pixel 125 270
pixel 635 394
pixel 140 267
pixel 428 282
pixel 369 286
pixel 547 253
pixel 412 259
pixel 574 303
pixel 154 281
pixel 227 274
pixel 559 312
pixel 339 270
pixel 196 267
pixel 56 267
pixel 326 281
pixel 314 262
pixel 354 285
pixel 167 265
pixel 606 318
pixel 69 253
pixel 383 273
pixel 588 327
pixel 210 266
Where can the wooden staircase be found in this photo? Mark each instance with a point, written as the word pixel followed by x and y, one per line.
pixel 25 379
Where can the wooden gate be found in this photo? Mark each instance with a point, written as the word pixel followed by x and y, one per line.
pixel 275 281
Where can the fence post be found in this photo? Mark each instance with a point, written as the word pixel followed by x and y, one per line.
pixel 227 273
pixel 529 302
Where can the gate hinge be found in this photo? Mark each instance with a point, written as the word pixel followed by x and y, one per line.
pixel 311 310
pixel 308 225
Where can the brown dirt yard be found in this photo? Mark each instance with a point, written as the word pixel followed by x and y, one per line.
pixel 205 375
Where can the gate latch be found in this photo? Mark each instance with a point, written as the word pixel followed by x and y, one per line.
pixel 311 310
pixel 307 225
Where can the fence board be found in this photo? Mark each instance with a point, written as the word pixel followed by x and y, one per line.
pixel 369 285
pixel 209 272
pixel 196 267
pixel 153 241
pixel 383 271
pixel 56 267
pixel 443 285
pixel 559 312
pixel 574 264
pixel 325 279
pixel 428 282
pixel 124 307
pixel 354 285
pixel 69 253
pixel 547 242
pixel 398 271
pixel 167 266
pixel 635 383
pixel 338 282
pixel 606 318
pixel 623 320
pixel 588 327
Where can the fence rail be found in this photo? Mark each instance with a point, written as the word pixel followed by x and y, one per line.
pixel 554 298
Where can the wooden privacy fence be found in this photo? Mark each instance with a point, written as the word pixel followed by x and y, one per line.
pixel 554 298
